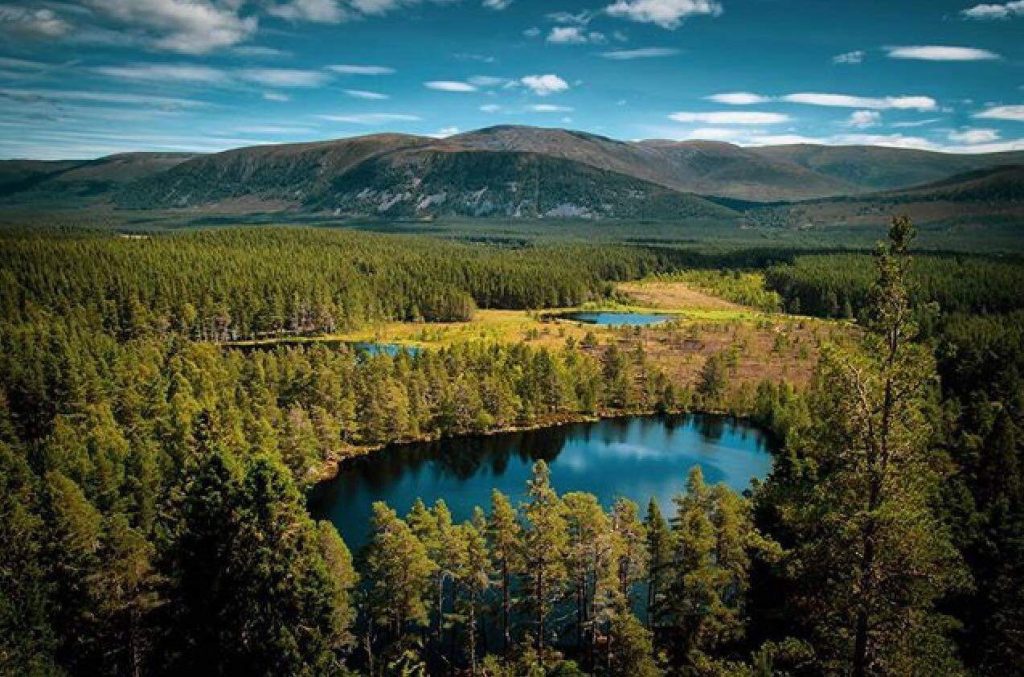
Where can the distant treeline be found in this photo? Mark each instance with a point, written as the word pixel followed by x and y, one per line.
pixel 837 285
pixel 240 283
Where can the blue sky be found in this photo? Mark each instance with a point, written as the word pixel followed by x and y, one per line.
pixel 93 77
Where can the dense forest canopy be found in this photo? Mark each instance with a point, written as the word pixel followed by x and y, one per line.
pixel 151 477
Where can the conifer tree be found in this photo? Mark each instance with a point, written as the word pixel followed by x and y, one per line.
pixel 505 535
pixel 545 544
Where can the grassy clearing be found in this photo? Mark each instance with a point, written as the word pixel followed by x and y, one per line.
pixel 759 344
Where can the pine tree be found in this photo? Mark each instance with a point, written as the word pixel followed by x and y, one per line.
pixel 873 557
pixel 591 563
pixel 399 572
pixel 505 535
pixel 659 557
pixel 545 545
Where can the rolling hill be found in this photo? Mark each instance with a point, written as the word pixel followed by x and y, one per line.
pixel 520 172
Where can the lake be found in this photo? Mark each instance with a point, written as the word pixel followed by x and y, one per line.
pixel 638 457
pixel 614 319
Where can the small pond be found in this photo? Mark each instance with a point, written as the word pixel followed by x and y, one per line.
pixel 637 457
pixel 616 319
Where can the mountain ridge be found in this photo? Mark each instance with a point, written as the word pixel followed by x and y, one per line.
pixel 504 170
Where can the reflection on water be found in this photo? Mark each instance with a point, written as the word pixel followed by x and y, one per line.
pixel 637 457
pixel 618 319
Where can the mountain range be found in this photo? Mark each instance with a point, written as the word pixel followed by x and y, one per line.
pixel 525 172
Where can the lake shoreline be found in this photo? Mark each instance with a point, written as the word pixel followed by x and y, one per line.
pixel 332 466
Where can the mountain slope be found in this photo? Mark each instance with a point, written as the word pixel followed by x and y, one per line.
pixel 410 176
pixel 704 167
pixel 29 181
pixel 999 184
pixel 514 171
pixel 503 183
pixel 872 168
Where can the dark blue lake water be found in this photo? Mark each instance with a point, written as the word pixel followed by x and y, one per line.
pixel 636 457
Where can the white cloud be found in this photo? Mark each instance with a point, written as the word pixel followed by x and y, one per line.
pixel 574 35
pixel 974 136
pixel 715 134
pixel 780 140
pixel 366 95
pixel 665 13
pixel 273 129
pixel 32 23
pixel 994 11
pixel 1015 113
pixel 915 123
pixel 350 69
pixel 487 81
pixel 259 51
pixel 186 26
pixel 567 35
pixel 854 57
pixel 641 53
pixel 731 117
pixel 549 108
pixel 738 98
pixel 874 103
pixel 531 32
pixel 370 118
pixel 543 85
pixel 315 11
pixel 445 132
pixel 579 19
pixel 276 96
pixel 164 72
pixel 88 96
pixel 497 5
pixel 862 119
pixel 283 77
pixel 449 86
pixel 490 108
pixel 941 53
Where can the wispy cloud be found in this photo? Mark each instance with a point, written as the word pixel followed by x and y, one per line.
pixel 450 86
pixel 315 11
pixel 991 12
pixel 367 95
pixel 186 26
pixel 549 108
pixel 32 23
pixel 873 103
pixel 352 69
pixel 854 57
pixel 490 108
pixel 1015 113
pixel 941 53
pixel 639 53
pixel 738 98
pixel 574 35
pixel 370 118
pixel 862 119
pixel 90 96
pixel 165 72
pixel 668 14
pixel 973 136
pixel 497 5
pixel 731 117
pixel 832 100
pixel 283 77
pixel 543 85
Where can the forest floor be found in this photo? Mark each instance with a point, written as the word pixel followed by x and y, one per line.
pixel 764 345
